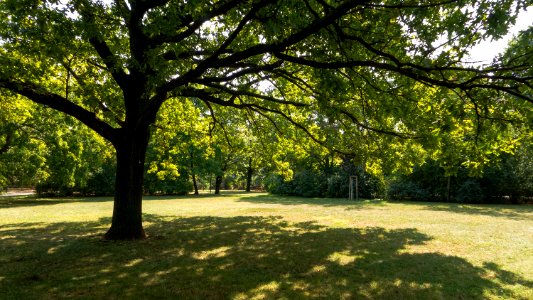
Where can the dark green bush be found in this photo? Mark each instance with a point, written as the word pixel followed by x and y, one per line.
pixel 53 189
pixel 308 183
pixel 511 181
pixel 155 186
pixel 469 191
pixel 275 184
pixel 102 182
pixel 403 189
pixel 337 186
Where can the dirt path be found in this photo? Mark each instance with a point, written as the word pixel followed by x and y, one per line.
pixel 18 192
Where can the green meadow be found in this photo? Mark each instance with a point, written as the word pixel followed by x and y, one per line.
pixel 258 246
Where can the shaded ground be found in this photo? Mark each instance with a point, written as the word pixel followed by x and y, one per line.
pixel 519 212
pixel 256 246
pixel 238 257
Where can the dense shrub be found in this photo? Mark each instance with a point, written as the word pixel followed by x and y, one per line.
pixel 308 183
pixel 469 191
pixel 175 186
pixel 511 181
pixel 53 189
pixel 407 190
pixel 275 184
pixel 102 182
pixel 337 186
pixel 98 183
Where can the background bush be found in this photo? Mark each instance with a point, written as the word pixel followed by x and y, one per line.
pixel 511 181
pixel 335 184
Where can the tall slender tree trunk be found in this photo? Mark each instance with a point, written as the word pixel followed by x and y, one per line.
pixel 220 176
pixel 9 139
pixel 449 189
pixel 249 173
pixel 194 183
pixel 127 210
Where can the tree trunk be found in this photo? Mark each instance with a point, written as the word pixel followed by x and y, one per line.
pixel 194 183
pixel 218 183
pixel 127 210
pixel 249 173
pixel 9 140
pixel 449 189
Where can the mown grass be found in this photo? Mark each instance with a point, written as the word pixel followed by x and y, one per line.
pixel 256 246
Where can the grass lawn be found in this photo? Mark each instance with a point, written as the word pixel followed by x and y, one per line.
pixel 256 246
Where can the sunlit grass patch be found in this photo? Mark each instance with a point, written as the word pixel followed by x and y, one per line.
pixel 258 246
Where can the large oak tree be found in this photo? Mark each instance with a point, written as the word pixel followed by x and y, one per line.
pixel 356 66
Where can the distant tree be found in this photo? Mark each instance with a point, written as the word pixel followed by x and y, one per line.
pixel 21 150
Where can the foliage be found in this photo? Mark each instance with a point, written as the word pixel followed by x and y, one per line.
pixel 73 156
pixel 102 181
pixel 332 184
pixel 510 181
pixel 21 149
pixel 169 186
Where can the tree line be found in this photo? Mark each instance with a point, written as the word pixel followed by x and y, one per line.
pixel 194 152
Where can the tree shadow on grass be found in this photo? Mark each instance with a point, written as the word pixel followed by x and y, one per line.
pixel 234 258
pixel 20 201
pixel 293 200
pixel 516 212
pixel 17 201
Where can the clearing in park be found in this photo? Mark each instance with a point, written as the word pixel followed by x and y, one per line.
pixel 257 246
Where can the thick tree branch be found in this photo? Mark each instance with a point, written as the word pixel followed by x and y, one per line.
pixel 218 10
pixel 471 83
pixel 208 97
pixel 414 4
pixel 59 103
pixel 110 61
pixel 480 73
pixel 81 82
pixel 292 39
pixel 236 93
pixel 99 44
pixel 261 49
pixel 254 69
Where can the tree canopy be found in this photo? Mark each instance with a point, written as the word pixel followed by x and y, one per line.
pixel 355 76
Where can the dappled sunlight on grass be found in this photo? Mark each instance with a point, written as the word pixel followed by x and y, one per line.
pixel 342 258
pixel 286 253
pixel 263 291
pixel 272 261
pixel 211 254
pixel 134 262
